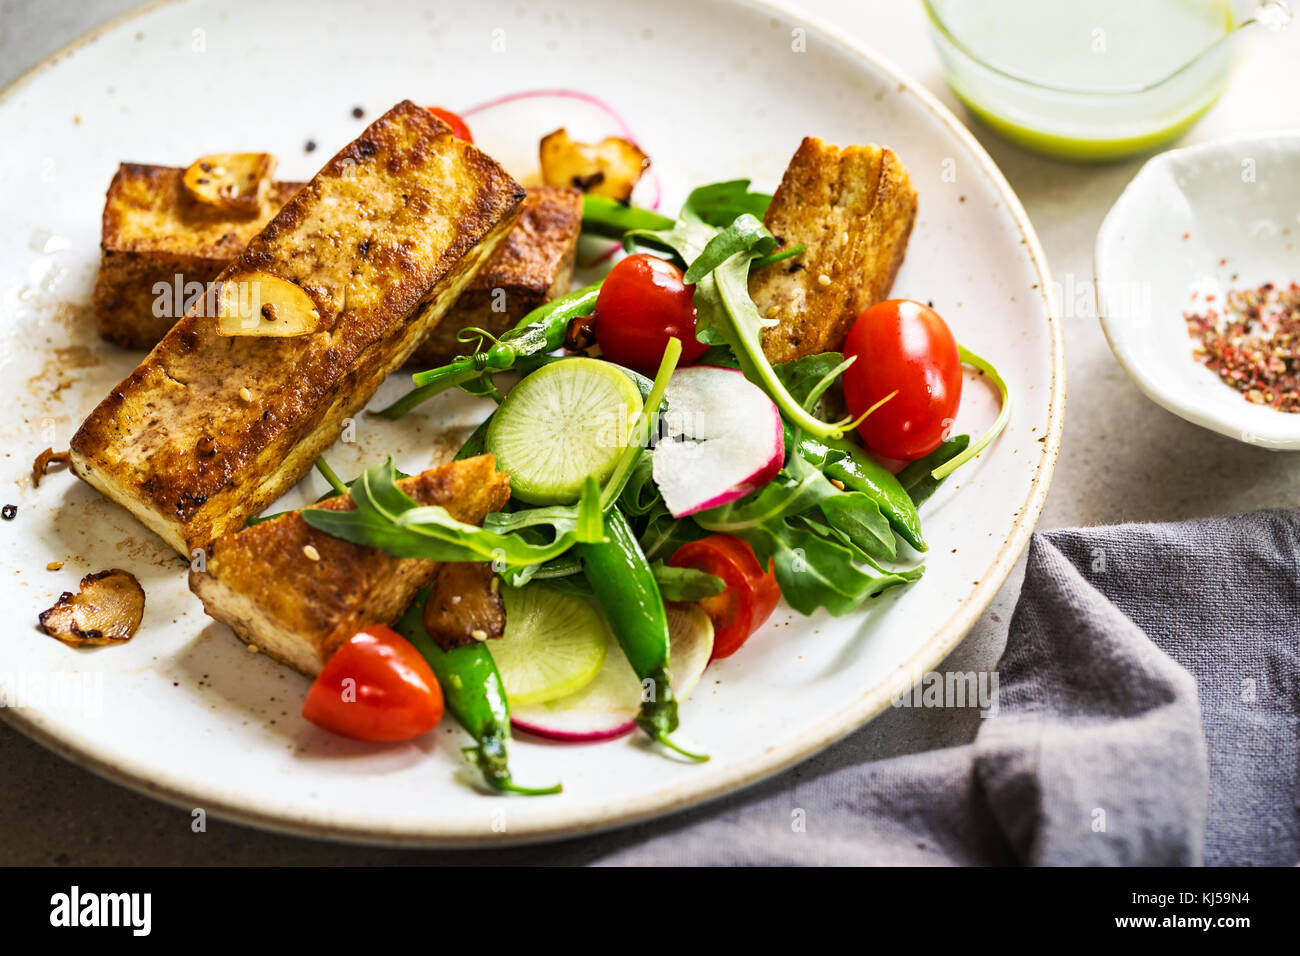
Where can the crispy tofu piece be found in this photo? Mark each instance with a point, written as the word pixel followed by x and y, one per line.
pixel 853 210
pixel 298 593
pixel 154 233
pixel 532 266
pixel 209 430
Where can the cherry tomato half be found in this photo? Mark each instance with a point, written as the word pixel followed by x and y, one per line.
pixel 375 687
pixel 642 304
pixel 751 594
pixel 905 346
pixel 459 128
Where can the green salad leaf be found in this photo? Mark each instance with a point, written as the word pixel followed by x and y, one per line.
pixel 744 236
pixel 718 252
pixel 387 518
pixel 685 584
pixel 720 204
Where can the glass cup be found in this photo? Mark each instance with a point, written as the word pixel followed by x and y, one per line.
pixel 1140 75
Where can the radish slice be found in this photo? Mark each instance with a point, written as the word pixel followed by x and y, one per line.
pixel 732 440
pixel 607 707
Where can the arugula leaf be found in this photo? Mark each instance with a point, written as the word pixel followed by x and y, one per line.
pixel 686 584
pixel 818 563
pixel 842 458
pixel 797 488
pixel 385 517
pixel 725 314
pixel 918 479
pixel 814 571
pixel 720 204
pixel 1004 414
pixel 744 236
pixel 859 520
pixel 801 376
pixel 675 584
pixel 763 262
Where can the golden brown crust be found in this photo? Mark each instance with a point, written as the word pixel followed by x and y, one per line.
pixel 208 430
pixel 153 233
pixel 532 266
pixel 853 210
pixel 297 593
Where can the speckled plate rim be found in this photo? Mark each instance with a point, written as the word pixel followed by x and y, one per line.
pixel 1282 438
pixel 564 824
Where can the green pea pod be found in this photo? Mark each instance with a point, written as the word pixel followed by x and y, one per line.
pixel 602 216
pixel 841 459
pixel 625 586
pixel 476 697
pixel 538 332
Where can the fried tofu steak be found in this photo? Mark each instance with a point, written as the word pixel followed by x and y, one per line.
pixel 212 428
pixel 532 266
pixel 159 246
pixel 853 209
pixel 297 593
pixel 154 235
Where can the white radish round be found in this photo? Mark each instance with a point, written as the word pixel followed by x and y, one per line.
pixel 724 440
pixel 607 707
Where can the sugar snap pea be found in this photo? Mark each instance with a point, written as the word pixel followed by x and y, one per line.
pixel 625 586
pixel 538 332
pixel 476 697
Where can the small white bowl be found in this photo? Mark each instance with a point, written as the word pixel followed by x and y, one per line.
pixel 1200 220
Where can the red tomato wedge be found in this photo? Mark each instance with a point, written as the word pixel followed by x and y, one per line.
pixel 751 595
pixel 642 304
pixel 905 348
pixel 459 128
pixel 376 687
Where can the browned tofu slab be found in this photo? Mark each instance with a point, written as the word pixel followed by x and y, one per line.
pixel 209 429
pixel 853 210
pixel 297 593
pixel 154 233
pixel 532 266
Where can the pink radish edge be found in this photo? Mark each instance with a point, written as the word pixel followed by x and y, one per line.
pixel 754 481
pixel 624 129
pixel 591 737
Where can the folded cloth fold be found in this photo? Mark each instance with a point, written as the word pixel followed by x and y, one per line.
pixel 1146 715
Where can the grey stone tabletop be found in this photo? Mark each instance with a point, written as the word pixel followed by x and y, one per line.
pixel 1123 459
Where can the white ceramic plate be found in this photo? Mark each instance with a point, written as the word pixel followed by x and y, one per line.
pixel 1198 222
pixel 713 90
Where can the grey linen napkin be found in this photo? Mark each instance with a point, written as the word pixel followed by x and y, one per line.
pixel 1146 715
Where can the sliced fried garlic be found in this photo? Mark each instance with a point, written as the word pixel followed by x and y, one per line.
pixel 608 168
pixel 233 181
pixel 258 303
pixel 107 610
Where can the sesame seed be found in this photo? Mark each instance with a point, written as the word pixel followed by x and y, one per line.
pixel 844 238
pixel 245 394
pixel 478 634
pixel 253 648
pixel 310 551
pixel 823 280
pixel 495 586
pixel 54 566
